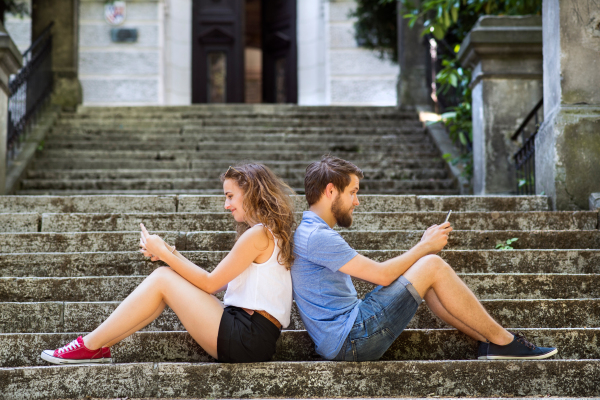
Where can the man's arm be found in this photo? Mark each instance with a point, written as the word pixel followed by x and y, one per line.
pixel 433 241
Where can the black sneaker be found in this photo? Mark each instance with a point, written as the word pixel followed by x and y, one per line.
pixel 519 349
pixel 482 350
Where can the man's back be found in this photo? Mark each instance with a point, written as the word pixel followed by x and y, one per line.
pixel 325 297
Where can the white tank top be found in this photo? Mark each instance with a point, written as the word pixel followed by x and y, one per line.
pixel 266 286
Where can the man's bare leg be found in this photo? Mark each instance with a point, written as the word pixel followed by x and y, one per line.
pixel 431 272
pixel 434 304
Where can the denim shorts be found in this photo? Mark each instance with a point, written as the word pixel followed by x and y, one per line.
pixel 382 316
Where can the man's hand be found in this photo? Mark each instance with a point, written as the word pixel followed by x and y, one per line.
pixel 435 238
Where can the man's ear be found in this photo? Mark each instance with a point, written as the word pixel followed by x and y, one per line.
pixel 330 190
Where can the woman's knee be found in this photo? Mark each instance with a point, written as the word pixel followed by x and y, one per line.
pixel 161 275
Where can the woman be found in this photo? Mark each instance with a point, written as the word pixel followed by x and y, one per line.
pixel 258 301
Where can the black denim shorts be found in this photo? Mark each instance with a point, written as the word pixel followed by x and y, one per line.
pixel 245 338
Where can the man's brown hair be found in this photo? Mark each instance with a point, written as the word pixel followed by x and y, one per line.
pixel 329 169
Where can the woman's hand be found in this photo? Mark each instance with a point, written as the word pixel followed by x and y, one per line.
pixel 151 245
pixel 435 237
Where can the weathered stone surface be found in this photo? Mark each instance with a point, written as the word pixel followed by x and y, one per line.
pixel 82 222
pixel 18 350
pixel 307 379
pixel 23 222
pixel 485 286
pixel 360 240
pixel 82 204
pixel 133 263
pixel 86 316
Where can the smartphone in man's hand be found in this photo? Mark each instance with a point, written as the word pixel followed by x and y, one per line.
pixel 448 216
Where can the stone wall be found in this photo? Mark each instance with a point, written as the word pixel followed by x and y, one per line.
pixel 122 73
pixel 357 76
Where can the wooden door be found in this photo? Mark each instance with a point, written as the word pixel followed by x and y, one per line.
pixel 218 51
pixel 280 60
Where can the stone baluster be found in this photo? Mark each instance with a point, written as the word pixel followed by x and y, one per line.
pixel 505 54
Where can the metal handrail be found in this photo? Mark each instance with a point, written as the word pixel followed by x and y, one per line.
pixel 29 89
pixel 525 157
pixel 533 113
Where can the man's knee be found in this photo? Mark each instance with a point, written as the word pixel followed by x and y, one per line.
pixel 431 264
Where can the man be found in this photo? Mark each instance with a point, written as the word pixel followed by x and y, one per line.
pixel 346 328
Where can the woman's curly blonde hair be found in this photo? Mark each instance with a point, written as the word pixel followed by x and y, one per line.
pixel 266 200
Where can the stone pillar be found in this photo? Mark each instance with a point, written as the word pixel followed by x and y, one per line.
pixel 568 145
pixel 67 88
pixel 10 62
pixel 412 58
pixel 505 54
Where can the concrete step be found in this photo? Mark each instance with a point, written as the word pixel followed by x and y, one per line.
pixel 540 220
pixel 391 379
pixel 485 286
pixel 218 121
pixel 224 131
pixel 221 165
pixel 285 173
pixel 391 146
pixel 360 240
pixel 82 264
pixel 196 203
pixel 64 316
pixel 224 136
pixel 199 184
pixel 265 155
pixel 19 350
pixel 50 192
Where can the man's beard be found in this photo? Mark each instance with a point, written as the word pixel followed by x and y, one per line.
pixel 342 217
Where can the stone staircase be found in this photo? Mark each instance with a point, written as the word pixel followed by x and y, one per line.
pixel 67 260
pixel 141 150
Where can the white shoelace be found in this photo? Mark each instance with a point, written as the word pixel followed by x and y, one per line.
pixel 71 346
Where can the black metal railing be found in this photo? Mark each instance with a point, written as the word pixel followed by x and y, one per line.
pixel 525 157
pixel 29 89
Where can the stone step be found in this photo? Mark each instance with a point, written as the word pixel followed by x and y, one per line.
pixel 235 136
pixel 64 316
pixel 233 108
pixel 19 350
pixel 391 146
pixel 210 221
pixel 485 286
pixel 51 192
pixel 360 240
pixel 213 173
pixel 391 379
pixel 82 264
pixel 199 184
pixel 221 165
pixel 232 111
pixel 268 122
pixel 297 155
pixel 224 131
pixel 196 203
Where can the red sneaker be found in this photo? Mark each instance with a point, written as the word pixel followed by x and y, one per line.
pixel 76 353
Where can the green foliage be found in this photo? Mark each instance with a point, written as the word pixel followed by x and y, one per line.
pixel 14 7
pixel 507 245
pixel 448 22
pixel 376 27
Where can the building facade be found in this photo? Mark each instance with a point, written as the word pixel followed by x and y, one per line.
pixel 179 52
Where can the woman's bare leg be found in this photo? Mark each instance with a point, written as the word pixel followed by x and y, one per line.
pixel 199 312
pixel 434 304
pixel 433 272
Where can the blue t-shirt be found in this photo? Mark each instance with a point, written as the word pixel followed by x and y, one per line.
pixel 325 297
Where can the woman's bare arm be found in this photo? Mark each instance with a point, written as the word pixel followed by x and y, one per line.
pixel 247 248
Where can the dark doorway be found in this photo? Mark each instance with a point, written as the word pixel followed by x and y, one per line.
pixel 244 51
